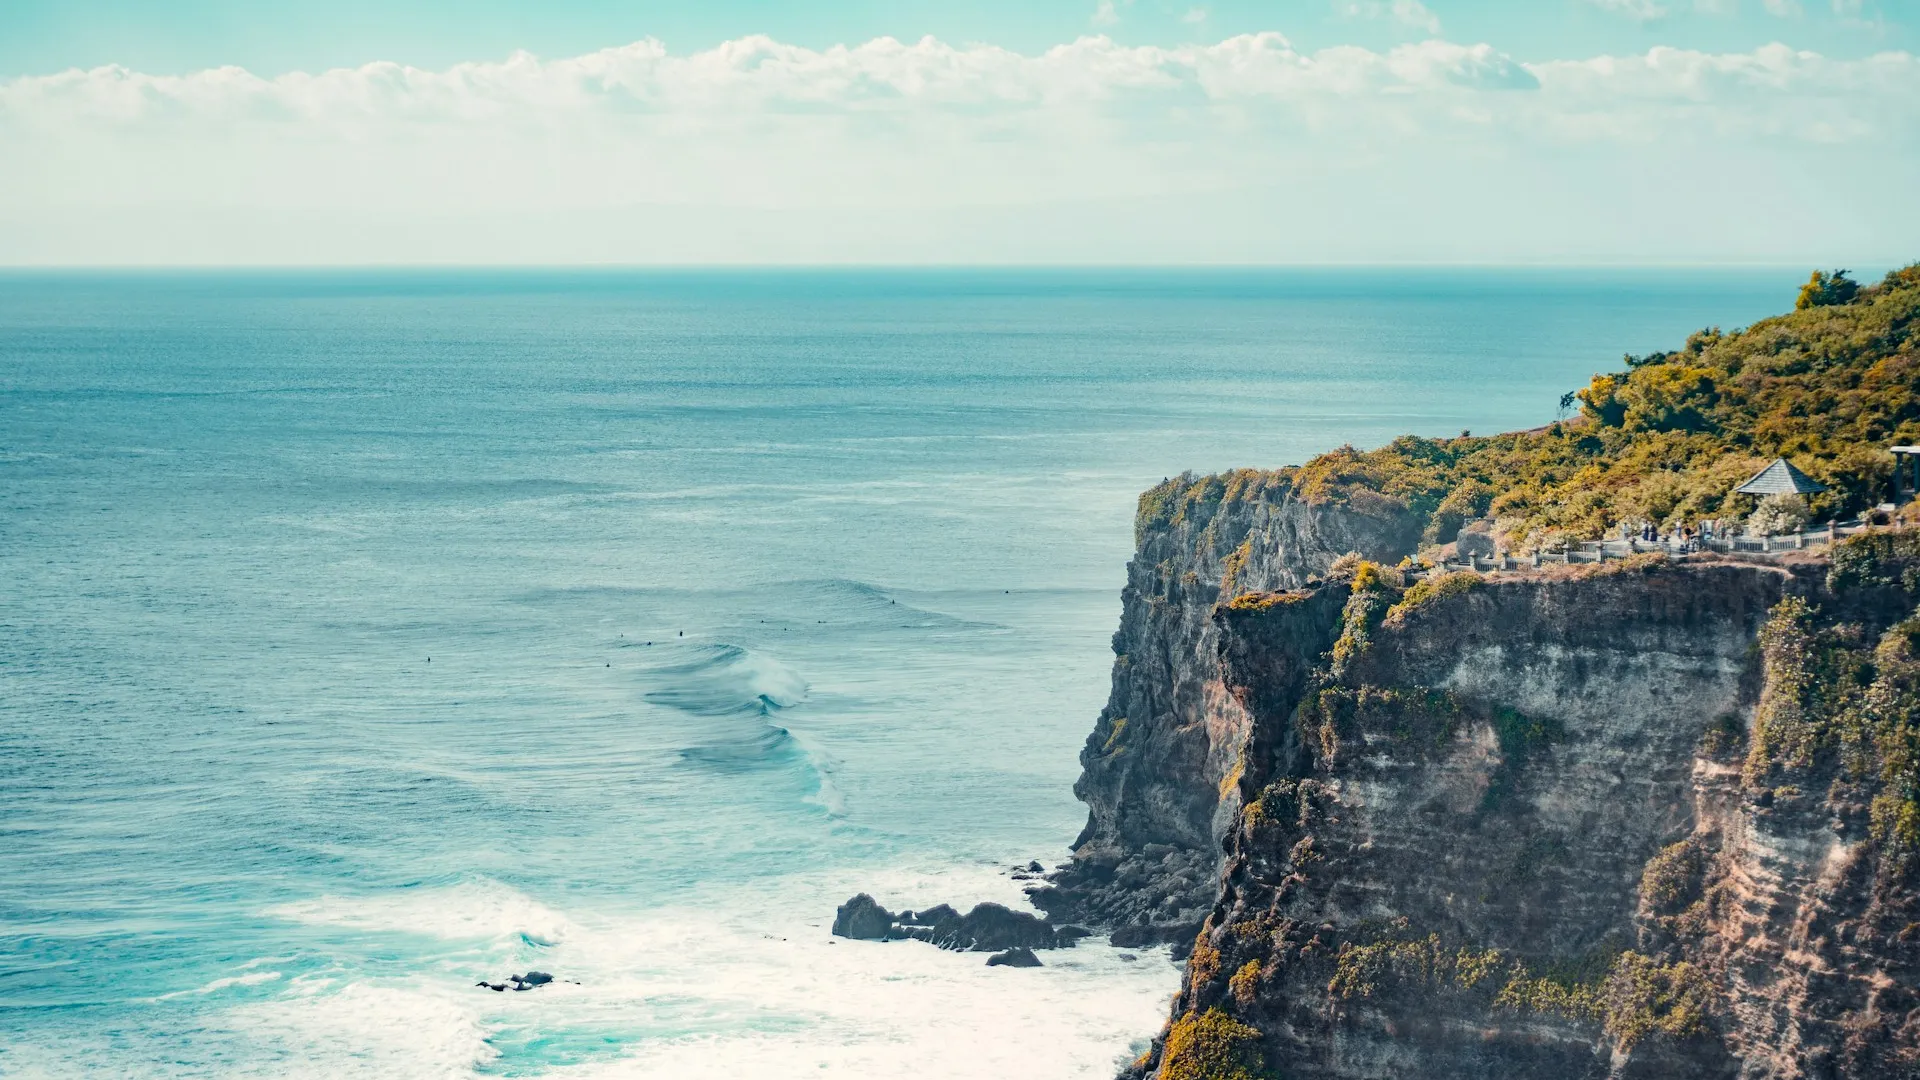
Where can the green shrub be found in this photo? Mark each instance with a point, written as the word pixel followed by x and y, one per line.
pixel 1266 601
pixel 1783 733
pixel 1827 290
pixel 1877 559
pixel 1371 595
pixel 1212 1046
pixel 1245 983
pixel 1830 386
pixel 1671 879
pixel 1432 589
pixel 1644 997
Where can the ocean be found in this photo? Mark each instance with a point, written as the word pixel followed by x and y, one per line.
pixel 367 634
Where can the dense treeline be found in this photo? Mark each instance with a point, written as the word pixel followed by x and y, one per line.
pixel 1828 386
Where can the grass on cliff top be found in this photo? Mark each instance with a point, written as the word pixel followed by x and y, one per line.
pixel 1829 386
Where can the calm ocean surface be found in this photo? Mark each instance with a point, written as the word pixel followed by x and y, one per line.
pixel 742 592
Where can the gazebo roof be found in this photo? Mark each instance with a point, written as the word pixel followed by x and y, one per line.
pixel 1780 478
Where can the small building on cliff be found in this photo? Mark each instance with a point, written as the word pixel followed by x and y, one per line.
pixel 1781 478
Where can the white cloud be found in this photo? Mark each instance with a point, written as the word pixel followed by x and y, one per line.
pixel 1409 13
pixel 1104 14
pixel 1643 10
pixel 1247 149
pixel 1785 9
pixel 1194 16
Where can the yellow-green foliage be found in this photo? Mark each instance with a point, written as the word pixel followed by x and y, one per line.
pixel 1554 997
pixel 1187 497
pixel 1212 1046
pixel 1431 590
pixel 1404 960
pixel 1671 879
pixel 1889 733
pixel 1632 995
pixel 1644 997
pixel 1236 562
pixel 1824 290
pixel 1829 386
pixel 1372 593
pixel 1362 969
pixel 1783 733
pixel 1204 965
pixel 1113 736
pixel 1245 984
pixel 1896 823
pixel 1471 968
pixel 1265 601
pixel 1368 577
pixel 1418 718
pixel 1879 559
pixel 1840 703
pixel 1231 781
pixel 1284 802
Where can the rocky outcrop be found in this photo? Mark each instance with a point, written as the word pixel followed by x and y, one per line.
pixel 987 928
pixel 862 918
pixel 1653 819
pixel 1020 958
pixel 1156 768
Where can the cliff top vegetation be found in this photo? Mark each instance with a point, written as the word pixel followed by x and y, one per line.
pixel 1829 386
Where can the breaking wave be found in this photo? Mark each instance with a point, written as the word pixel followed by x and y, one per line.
pixel 744 689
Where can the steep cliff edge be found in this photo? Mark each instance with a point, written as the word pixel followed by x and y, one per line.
pixel 1656 819
pixel 1156 767
pixel 1646 819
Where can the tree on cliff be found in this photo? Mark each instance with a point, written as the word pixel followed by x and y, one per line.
pixel 1830 385
pixel 1825 290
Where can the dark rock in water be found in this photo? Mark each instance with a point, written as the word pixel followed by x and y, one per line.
pixel 1034 867
pixel 1014 958
pixel 529 981
pixel 1128 957
pixel 862 917
pixel 991 928
pixel 929 917
pixel 1068 934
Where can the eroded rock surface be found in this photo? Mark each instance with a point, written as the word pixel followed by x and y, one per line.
pixel 1154 769
pixel 1632 821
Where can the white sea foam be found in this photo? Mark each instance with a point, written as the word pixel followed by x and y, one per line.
pixel 476 909
pixel 251 978
pixel 755 987
pixel 416 1029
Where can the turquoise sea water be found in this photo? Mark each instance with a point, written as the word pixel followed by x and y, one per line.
pixel 365 634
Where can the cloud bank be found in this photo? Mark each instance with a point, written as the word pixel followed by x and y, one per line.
pixel 1245 150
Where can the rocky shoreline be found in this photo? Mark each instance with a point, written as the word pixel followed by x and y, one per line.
pixel 1539 825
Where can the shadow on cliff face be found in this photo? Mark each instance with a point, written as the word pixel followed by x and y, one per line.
pixel 1157 769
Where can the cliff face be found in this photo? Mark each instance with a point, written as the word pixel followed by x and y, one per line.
pixel 1652 820
pixel 1156 767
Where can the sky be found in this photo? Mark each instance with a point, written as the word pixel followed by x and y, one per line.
pixel 216 132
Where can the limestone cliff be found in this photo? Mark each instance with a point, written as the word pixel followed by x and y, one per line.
pixel 1654 819
pixel 1157 763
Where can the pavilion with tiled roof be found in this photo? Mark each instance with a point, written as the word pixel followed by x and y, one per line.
pixel 1781 478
